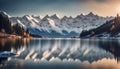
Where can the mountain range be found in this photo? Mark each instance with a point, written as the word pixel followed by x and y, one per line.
pixel 109 29
pixel 54 26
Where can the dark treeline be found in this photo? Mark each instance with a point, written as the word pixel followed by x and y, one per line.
pixel 110 27
pixel 6 27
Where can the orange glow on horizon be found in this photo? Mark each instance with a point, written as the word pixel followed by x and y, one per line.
pixel 118 9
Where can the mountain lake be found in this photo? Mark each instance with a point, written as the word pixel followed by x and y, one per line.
pixel 61 53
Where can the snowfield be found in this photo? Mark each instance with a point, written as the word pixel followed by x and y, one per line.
pixel 53 26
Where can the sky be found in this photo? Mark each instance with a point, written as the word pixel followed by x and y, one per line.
pixel 60 7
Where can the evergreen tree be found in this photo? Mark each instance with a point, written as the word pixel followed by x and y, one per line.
pixel 5 24
pixel 18 30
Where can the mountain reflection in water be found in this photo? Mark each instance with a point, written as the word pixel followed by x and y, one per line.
pixel 61 53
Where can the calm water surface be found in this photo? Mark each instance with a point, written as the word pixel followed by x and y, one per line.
pixel 61 53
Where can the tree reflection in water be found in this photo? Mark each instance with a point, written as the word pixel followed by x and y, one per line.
pixel 94 53
pixel 112 46
pixel 9 44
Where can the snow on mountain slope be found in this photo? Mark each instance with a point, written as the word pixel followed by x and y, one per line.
pixel 108 29
pixel 4 14
pixel 53 26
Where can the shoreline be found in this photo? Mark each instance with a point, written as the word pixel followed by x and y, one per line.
pixel 12 36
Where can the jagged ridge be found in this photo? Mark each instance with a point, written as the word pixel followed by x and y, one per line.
pixel 53 26
pixel 109 29
pixel 7 28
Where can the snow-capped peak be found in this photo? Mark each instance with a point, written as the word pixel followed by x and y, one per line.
pixel 28 17
pixel 55 16
pixel 53 26
pixel 45 18
pixel 4 14
pixel 65 17
pixel 70 17
pixel 90 14
pixel 81 14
